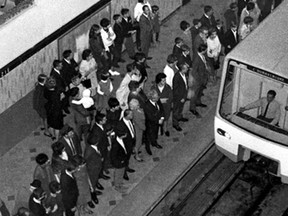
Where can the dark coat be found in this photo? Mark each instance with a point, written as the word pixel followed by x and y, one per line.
pixel 229 41
pixel 80 114
pixel 184 59
pixel 60 82
pixel 39 101
pixel 76 143
pixel 127 26
pixel 69 70
pixel 208 22
pixel 119 158
pixel 69 190
pixel 36 208
pixel 97 135
pixel 118 30
pixel 177 51
pixel 199 72
pixel 197 42
pixel 93 164
pixel 194 33
pixel 179 88
pixel 230 17
pixel 129 141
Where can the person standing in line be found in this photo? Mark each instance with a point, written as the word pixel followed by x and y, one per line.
pixel 54 200
pixel 104 91
pixel 70 67
pixel 155 23
pixel 69 189
pixel 138 11
pixel 195 29
pixel 246 28
pixel 36 202
pixel 113 113
pixel 231 38
pixel 201 38
pixel 186 33
pixel 208 18
pixel 185 56
pixel 230 16
pixel 180 89
pixel 119 40
pixel 39 102
pixel 146 28
pixel 128 30
pixel 177 51
pixel 170 69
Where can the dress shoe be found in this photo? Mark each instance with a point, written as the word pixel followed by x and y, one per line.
pixel 105 177
pixel 183 119
pixel 194 112
pixel 130 170
pixel 91 204
pixel 167 133
pixel 157 146
pixel 148 150
pixel 149 58
pixel 99 186
pixel 121 60
pixel 178 128
pixel 125 176
pixel 94 197
pixel 161 130
pixel 201 105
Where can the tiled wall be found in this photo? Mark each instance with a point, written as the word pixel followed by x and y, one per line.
pixel 166 6
pixel 21 80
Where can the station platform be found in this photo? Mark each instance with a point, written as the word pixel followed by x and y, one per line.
pixel 158 172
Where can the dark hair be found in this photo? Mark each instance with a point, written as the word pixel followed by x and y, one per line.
pixel 185 47
pixel 248 19
pixel 41 78
pixel 105 76
pixel 145 6
pixel 41 158
pixel 211 31
pixel 178 40
pixel 203 28
pixel 74 91
pixel 139 56
pixel 130 67
pixel 71 166
pixel 133 85
pixel 155 8
pixel 196 21
pixel 66 53
pixel 207 8
pixel 113 102
pixel 86 53
pixel 99 117
pixel 171 58
pixel 182 66
pixel 159 77
pixel 272 92
pixel 233 5
pixel 104 22
pixel 65 130
pixel 202 47
pixel 38 192
pixel 127 112
pixel 250 6
pixel 124 11
pixel 22 211
pixel 56 63
pixel 116 16
pixel 79 160
pixel 93 28
pixel 57 148
pixel 50 83
pixel 141 1
pixel 184 25
pixel 54 186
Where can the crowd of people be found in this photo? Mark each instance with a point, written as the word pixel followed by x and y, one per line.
pixel 111 125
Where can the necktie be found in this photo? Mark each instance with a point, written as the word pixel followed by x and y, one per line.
pixel 266 109
pixel 72 147
pixel 156 106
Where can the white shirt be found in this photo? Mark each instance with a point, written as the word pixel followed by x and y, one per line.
pixel 96 149
pixel 120 141
pixel 130 126
pixel 57 70
pixel 107 39
pixel 184 78
pixel 203 59
pixel 169 72
pixel 138 10
pixel 101 126
pixel 69 174
pixel 70 144
pixel 161 88
pixel 213 47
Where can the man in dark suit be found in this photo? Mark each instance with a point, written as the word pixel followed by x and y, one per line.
pixel 71 142
pixel 180 87
pixel 208 18
pixel 200 75
pixel 94 167
pixel 118 42
pixel 201 38
pixel 126 124
pixel 145 30
pixel 231 16
pixel 69 189
pixel 185 57
pixel 61 85
pixel 119 158
pixel 154 115
pixel 35 202
pixel 127 32
pixel 195 29
pixel 231 38
pixel 98 134
pixel 177 51
pixel 70 67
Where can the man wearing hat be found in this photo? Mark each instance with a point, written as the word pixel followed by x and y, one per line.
pixel 71 142
pixel 119 159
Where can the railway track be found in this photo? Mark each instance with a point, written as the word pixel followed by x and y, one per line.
pixel 214 185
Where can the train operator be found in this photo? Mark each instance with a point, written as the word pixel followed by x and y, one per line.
pixel 270 108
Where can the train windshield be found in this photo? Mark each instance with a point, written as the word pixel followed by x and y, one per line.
pixel 245 101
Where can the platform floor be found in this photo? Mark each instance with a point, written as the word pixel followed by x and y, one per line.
pixel 153 177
